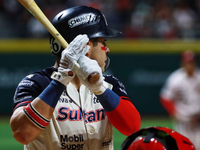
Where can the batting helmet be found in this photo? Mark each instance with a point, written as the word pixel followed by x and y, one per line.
pixel 157 138
pixel 80 20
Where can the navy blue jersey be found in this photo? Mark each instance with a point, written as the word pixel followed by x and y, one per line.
pixel 32 85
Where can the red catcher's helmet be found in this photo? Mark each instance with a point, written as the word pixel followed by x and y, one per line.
pixel 188 56
pixel 157 138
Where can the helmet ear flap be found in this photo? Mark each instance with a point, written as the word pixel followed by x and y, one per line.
pixel 56 47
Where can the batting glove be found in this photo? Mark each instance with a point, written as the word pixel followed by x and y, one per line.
pixel 87 66
pixel 69 57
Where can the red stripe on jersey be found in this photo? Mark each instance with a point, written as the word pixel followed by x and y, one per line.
pixel 34 116
pixel 125 118
pixel 25 102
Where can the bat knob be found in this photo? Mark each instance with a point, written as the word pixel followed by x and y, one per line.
pixel 93 77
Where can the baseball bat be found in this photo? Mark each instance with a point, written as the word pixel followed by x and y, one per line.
pixel 34 9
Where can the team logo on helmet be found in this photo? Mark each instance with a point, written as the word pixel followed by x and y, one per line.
pixel 55 46
pixel 83 19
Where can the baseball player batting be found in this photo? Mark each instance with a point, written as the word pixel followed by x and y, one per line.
pixel 181 97
pixel 57 107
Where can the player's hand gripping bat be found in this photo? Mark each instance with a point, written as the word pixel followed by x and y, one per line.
pixel 33 8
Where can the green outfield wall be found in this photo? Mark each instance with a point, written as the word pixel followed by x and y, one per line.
pixel 142 66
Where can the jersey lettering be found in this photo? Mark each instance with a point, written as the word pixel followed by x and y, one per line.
pixel 65 113
pixel 65 100
pixel 72 146
pixel 75 138
pixel 106 143
pixel 95 100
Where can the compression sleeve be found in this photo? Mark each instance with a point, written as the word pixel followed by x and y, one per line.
pixel 121 112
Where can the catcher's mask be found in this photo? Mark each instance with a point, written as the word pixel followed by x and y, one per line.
pixel 157 138
pixel 80 20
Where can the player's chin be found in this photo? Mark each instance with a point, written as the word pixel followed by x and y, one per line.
pixel 103 68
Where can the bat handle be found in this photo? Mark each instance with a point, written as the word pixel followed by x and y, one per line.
pixel 92 78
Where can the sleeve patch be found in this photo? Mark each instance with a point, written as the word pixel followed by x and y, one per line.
pixel 26 83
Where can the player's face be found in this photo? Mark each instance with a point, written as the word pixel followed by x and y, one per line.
pixel 98 52
pixel 189 67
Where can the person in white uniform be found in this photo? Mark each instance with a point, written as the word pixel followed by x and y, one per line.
pixel 181 97
pixel 58 108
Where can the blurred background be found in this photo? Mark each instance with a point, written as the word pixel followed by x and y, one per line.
pixel 137 19
pixel 155 32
